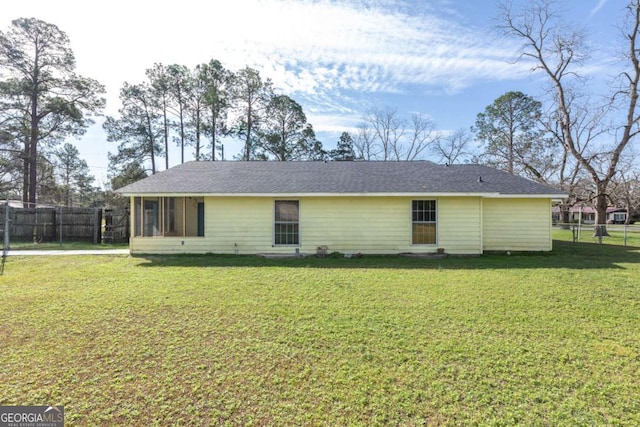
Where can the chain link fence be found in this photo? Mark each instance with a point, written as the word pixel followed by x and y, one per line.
pixel 620 234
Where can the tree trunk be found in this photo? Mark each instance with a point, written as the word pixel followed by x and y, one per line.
pixel 152 146
pixel 33 150
pixel 25 176
pixel 247 145
pixel 213 137
pixel 600 229
pixel 511 155
pixel 565 215
pixel 181 136
pixel 153 160
pixel 166 136
pixel 67 196
pixel 198 135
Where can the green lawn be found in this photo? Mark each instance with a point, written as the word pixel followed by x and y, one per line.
pixel 619 234
pixel 55 246
pixel 527 339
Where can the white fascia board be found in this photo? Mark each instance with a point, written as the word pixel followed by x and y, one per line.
pixel 425 194
pixel 163 194
pixel 531 196
pixel 299 195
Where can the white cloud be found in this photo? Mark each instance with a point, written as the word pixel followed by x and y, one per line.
pixel 304 46
pixel 597 8
pixel 330 55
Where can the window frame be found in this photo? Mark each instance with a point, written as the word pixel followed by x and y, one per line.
pixel 277 223
pixel 152 216
pixel 430 212
pixel 619 216
pixel 169 214
pixel 137 216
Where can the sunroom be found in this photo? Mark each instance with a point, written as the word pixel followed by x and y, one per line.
pixel 168 216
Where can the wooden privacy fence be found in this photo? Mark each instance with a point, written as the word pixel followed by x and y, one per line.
pixel 116 225
pixel 67 224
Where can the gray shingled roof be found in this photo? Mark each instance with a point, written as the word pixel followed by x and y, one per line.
pixel 333 178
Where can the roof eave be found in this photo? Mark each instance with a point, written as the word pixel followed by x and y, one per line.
pixel 363 194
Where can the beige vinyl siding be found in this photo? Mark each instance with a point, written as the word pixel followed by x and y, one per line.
pixel 240 224
pixel 351 225
pixel 244 225
pixel 517 224
pixel 459 225
pixel 157 245
pixel 232 225
pixel 383 225
pixel 370 225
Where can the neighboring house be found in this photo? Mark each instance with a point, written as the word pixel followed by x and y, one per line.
pixel 16 204
pixel 583 214
pixel 616 215
pixel 347 207
pixel 587 214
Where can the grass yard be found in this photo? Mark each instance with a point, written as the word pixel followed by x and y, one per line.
pixel 618 235
pixel 527 339
pixel 56 246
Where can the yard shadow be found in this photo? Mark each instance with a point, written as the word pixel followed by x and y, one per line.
pixel 566 255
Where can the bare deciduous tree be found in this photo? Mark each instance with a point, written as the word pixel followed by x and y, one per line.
pixel 453 148
pixel 558 50
pixel 385 135
pixel 388 128
pixel 422 135
pixel 625 188
pixel 364 144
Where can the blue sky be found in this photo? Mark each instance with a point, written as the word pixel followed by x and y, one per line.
pixel 335 57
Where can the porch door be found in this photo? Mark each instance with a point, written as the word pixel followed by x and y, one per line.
pixel 200 219
pixel 151 218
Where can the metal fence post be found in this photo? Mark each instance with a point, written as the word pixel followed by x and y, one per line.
pixel 5 245
pixel 96 225
pixel 7 218
pixel 60 226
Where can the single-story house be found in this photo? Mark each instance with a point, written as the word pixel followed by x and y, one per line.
pixel 587 214
pixel 616 215
pixel 348 207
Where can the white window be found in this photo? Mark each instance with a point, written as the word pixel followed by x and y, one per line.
pixel 286 223
pixel 423 222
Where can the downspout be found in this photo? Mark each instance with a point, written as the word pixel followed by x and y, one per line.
pixel 162 216
pixel 132 219
pixel 184 217
pixel 481 202
pixel 550 224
